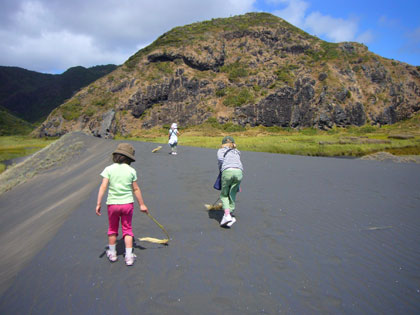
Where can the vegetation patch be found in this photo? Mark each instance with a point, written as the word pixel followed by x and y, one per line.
pixel 238 97
pixel 12 125
pixel 328 51
pixel 285 73
pixel 71 110
pixel 352 141
pixel 235 71
pixel 12 147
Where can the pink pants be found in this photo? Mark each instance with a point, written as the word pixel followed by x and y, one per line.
pixel 125 212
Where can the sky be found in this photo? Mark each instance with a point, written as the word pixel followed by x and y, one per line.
pixel 50 36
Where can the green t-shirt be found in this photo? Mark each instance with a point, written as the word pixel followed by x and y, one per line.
pixel 121 178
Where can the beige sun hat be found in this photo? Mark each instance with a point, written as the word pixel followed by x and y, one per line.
pixel 126 149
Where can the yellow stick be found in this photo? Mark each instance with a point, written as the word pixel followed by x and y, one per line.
pixel 156 240
pixel 156 149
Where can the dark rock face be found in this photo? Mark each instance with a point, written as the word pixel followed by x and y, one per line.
pixel 377 73
pixel 211 61
pixel 175 90
pixel 107 127
pixel 180 96
pixel 322 76
pixel 288 107
pixel 52 128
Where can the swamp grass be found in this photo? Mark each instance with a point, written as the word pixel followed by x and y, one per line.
pixel 398 139
pixel 12 147
pixel 351 141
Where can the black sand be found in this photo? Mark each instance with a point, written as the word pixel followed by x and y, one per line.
pixel 314 235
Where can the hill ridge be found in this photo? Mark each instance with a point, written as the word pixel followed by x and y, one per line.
pixel 253 69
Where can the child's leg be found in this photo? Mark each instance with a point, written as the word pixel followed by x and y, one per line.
pixel 236 181
pixel 224 192
pixel 126 219
pixel 112 239
pixel 113 220
pixel 113 223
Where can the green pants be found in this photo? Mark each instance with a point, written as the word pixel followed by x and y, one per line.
pixel 231 179
pixel 173 146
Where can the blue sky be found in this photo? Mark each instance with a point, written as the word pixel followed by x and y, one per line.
pixel 52 35
pixel 389 28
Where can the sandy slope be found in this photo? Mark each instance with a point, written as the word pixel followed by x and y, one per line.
pixel 314 235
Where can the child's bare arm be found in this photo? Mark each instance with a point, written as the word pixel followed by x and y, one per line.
pixel 139 197
pixel 101 193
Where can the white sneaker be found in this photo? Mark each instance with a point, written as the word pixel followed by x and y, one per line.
pixel 112 255
pixel 173 153
pixel 129 259
pixel 231 222
pixel 226 219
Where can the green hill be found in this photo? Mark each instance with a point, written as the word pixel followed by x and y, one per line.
pixel 31 95
pixel 12 125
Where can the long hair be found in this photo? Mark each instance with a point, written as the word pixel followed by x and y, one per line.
pixel 120 158
pixel 229 145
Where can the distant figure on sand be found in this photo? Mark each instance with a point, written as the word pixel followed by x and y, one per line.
pixel 229 160
pixel 173 138
pixel 122 181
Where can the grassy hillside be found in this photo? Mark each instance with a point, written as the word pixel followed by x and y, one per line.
pixel 12 125
pixel 31 95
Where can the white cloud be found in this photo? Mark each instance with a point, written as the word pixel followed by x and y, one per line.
pixel 42 35
pixel 365 37
pixel 294 12
pixel 335 29
pixel 318 24
pixel 412 46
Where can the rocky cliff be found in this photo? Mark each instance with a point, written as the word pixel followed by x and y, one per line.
pixel 253 69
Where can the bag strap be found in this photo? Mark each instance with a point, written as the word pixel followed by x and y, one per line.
pixel 224 155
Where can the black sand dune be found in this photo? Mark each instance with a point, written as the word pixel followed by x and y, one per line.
pixel 314 235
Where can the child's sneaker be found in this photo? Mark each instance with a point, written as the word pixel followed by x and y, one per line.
pixel 231 222
pixel 112 255
pixel 226 219
pixel 129 259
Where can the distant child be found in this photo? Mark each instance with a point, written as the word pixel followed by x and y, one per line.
pixel 122 181
pixel 229 160
pixel 173 138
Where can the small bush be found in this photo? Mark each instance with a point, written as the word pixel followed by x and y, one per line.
pixel 285 73
pixel 230 127
pixel 165 67
pixel 100 102
pixel 221 92
pixel 235 70
pixel 361 130
pixel 90 111
pixel 238 97
pixel 71 110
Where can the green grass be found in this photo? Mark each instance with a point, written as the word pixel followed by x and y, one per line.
pixel 12 147
pixel 352 141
